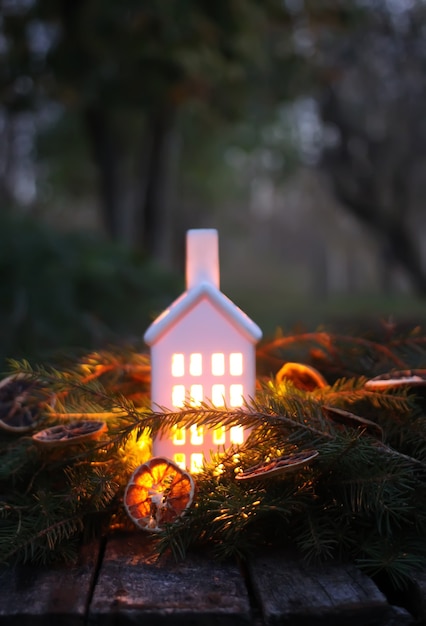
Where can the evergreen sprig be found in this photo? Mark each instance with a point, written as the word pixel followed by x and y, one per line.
pixel 362 498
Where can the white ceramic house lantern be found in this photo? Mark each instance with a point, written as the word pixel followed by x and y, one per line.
pixel 202 350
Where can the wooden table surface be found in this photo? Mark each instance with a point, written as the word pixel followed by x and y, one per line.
pixel 121 583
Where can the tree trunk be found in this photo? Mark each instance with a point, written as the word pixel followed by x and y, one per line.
pixel 155 212
pixel 106 154
pixel 6 162
pixel 396 240
pixel 406 254
pixel 374 194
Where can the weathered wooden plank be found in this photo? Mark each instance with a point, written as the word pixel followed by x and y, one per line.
pixel 39 596
pixel 417 597
pixel 135 587
pixel 291 592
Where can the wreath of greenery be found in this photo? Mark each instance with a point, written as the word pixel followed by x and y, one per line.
pixel 362 499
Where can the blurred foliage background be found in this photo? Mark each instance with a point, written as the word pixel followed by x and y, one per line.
pixel 295 127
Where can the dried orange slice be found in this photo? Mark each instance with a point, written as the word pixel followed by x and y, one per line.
pixel 283 465
pixel 158 492
pixel 302 376
pixel 20 408
pixel 71 433
pixel 346 418
pixel 401 378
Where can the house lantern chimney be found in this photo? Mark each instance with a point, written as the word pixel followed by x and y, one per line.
pixel 202 257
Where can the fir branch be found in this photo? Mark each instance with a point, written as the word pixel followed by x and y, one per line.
pixel 68 386
pixel 398 559
pixel 333 347
pixel 17 459
pixel 360 499
pixel 345 392
pixel 317 538
pixel 411 347
pixel 44 544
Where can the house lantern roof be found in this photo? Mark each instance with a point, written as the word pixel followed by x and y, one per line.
pixel 202 281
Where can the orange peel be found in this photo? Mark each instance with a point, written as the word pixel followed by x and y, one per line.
pixel 158 493
pixel 20 408
pixel 302 376
pixel 292 462
pixel 72 433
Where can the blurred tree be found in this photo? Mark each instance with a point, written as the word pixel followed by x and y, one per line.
pixel 68 291
pixel 126 70
pixel 125 79
pixel 372 100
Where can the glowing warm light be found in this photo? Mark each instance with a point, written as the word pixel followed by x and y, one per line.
pixel 236 364
pixel 218 395
pixel 197 459
pixel 237 434
pixel 196 395
pixel 178 365
pixel 236 395
pixel 138 446
pixel 179 436
pixel 219 469
pixel 180 459
pixel 218 364
pixel 195 364
pixel 196 435
pixel 219 436
pixel 178 396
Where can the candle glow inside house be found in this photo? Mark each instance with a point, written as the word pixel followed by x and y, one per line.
pixel 203 349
